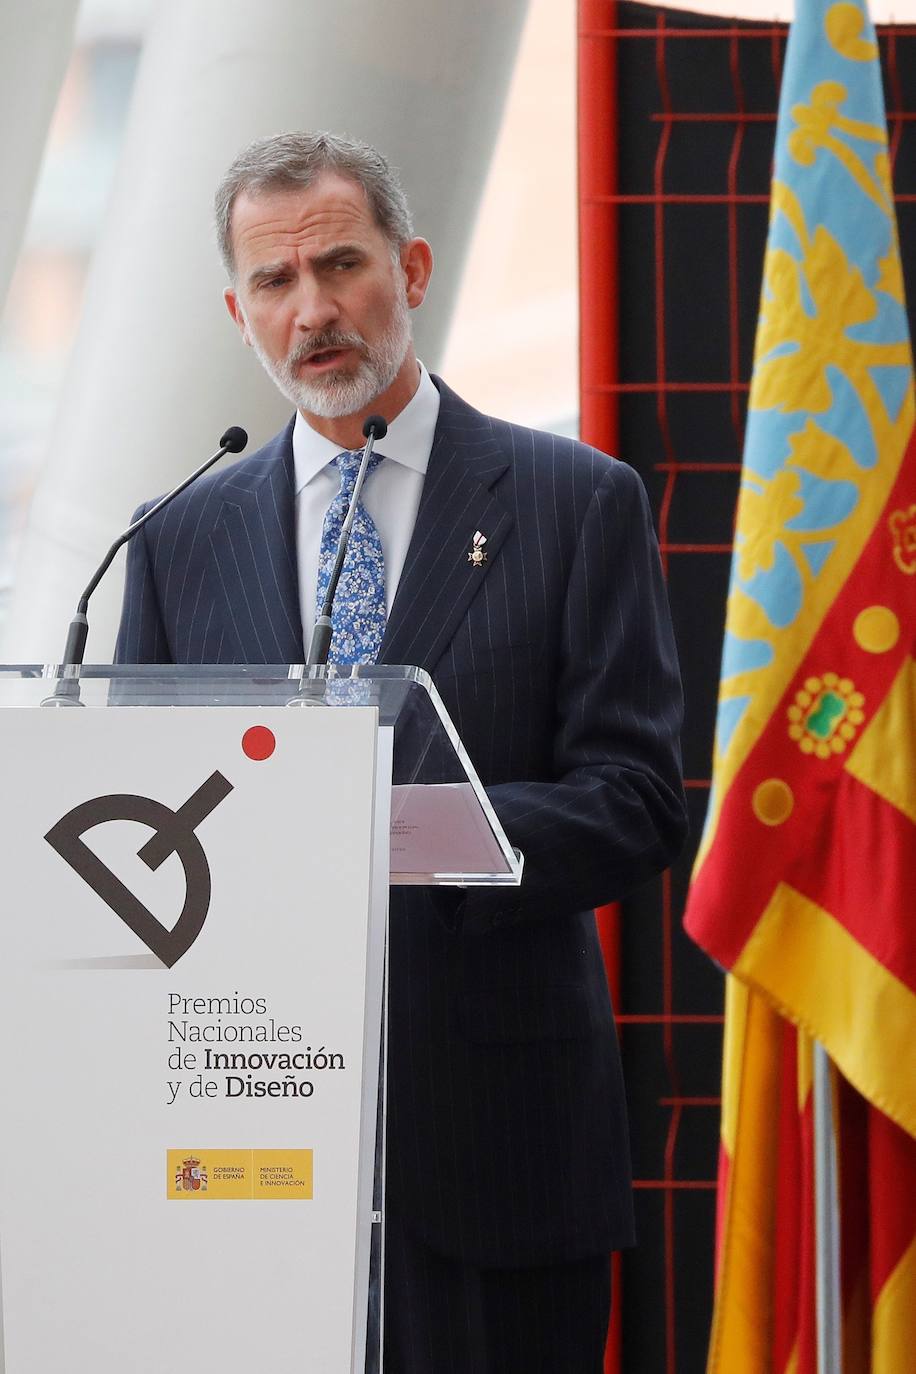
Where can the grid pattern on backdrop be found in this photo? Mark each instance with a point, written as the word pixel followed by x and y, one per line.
pixel 677 124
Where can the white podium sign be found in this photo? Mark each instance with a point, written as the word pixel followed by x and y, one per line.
pixel 193 932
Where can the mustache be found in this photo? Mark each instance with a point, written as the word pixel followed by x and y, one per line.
pixel 321 340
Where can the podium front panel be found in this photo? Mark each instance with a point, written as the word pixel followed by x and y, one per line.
pixel 190 989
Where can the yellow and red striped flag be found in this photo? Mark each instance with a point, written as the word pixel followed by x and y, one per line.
pixel 804 887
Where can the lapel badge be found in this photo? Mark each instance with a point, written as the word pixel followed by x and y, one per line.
pixel 477 554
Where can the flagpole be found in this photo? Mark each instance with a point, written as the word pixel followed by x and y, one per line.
pixel 827 1221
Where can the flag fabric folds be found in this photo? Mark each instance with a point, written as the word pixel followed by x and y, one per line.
pixel 804 887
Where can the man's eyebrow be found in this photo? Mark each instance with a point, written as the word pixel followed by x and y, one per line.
pixel 340 250
pixel 268 270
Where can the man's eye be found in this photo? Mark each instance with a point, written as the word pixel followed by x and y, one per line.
pixel 273 283
pixel 345 264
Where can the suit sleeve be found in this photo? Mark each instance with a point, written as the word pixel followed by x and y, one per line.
pixel 141 633
pixel 615 814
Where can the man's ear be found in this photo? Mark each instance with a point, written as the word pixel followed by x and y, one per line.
pixel 417 266
pixel 237 313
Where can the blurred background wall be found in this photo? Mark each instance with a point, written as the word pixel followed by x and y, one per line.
pixel 118 367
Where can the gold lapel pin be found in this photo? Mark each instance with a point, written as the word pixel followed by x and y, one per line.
pixel 477 554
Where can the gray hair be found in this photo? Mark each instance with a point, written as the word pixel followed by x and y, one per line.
pixel 293 161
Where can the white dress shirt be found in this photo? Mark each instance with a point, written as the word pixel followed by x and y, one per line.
pixel 391 493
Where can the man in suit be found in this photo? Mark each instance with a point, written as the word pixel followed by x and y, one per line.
pixel 508 1169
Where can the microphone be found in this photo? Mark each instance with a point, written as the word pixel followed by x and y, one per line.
pixel 375 427
pixel 233 441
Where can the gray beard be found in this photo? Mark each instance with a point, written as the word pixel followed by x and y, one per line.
pixel 339 393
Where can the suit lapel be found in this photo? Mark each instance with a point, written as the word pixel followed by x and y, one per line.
pixel 254 550
pixel 438 581
pixel 254 546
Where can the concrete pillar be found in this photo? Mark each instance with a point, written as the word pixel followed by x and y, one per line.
pixel 158 369
pixel 35 41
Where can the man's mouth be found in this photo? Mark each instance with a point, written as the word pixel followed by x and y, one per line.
pixel 323 359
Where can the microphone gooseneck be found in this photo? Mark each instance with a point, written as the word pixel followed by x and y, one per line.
pixel 233 441
pixel 374 427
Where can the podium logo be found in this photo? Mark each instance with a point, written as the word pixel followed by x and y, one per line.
pixel 173 833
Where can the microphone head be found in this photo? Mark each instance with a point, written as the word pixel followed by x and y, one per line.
pixel 234 440
pixel 377 426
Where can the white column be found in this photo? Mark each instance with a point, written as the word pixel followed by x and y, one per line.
pixel 159 370
pixel 35 41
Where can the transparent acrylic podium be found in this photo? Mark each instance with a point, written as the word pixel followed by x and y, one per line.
pixel 132 744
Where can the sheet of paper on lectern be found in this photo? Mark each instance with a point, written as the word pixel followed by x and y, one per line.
pixel 441 829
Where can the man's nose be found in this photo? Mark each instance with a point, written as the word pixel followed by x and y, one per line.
pixel 315 307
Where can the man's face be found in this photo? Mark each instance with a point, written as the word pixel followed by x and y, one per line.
pixel 322 296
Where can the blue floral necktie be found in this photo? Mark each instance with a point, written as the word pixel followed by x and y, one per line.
pixel 359 615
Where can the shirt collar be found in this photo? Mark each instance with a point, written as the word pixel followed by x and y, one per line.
pixel 409 440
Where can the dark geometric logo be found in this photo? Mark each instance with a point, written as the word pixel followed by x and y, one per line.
pixel 173 834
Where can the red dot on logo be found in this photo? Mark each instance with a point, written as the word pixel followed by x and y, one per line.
pixel 259 742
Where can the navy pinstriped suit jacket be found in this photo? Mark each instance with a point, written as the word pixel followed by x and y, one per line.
pixel 507 1126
